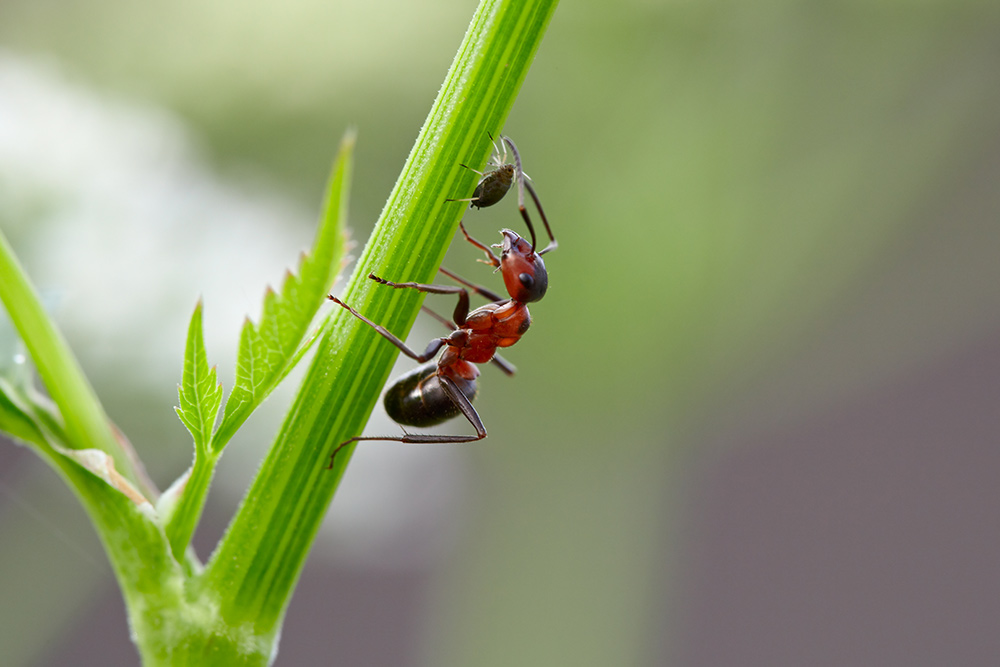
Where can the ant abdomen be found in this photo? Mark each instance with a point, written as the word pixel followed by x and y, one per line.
pixel 418 399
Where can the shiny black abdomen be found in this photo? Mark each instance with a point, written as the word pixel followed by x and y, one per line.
pixel 417 398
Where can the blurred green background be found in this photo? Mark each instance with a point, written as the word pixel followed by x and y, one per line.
pixel 777 282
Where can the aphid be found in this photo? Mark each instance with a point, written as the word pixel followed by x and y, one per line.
pixel 439 390
pixel 495 183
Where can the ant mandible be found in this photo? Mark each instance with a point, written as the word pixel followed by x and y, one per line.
pixel 440 390
pixel 495 183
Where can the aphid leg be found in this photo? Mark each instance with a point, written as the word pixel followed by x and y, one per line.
pixel 500 159
pixel 460 400
pixel 476 171
pixel 481 175
pixel 472 200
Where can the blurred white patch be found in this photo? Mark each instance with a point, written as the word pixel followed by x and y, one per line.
pixel 114 213
pixel 398 507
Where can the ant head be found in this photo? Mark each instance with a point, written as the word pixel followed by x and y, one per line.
pixel 523 269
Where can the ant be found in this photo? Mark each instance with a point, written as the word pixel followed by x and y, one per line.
pixel 439 390
pixel 494 184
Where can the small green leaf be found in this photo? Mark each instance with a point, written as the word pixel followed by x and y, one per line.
pixel 200 395
pixel 268 350
pixel 200 392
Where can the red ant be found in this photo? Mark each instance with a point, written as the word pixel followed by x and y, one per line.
pixel 440 390
pixel 495 183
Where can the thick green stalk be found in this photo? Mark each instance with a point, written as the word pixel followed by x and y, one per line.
pixel 254 570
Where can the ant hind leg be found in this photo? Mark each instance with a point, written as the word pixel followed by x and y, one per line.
pixel 460 400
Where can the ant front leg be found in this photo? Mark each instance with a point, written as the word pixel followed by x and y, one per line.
pixel 432 348
pixel 553 244
pixel 461 309
pixel 491 259
pixel 460 400
pixel 524 182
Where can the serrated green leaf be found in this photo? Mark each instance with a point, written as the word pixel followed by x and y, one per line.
pixel 200 395
pixel 200 392
pixel 268 350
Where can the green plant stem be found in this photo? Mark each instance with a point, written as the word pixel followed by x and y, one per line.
pixel 260 558
pixel 86 424
pixel 184 518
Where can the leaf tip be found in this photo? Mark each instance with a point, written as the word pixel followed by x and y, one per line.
pixel 350 137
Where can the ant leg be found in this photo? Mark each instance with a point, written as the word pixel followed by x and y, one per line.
pixel 553 244
pixel 498 361
pixel 508 368
pixel 520 178
pixel 492 260
pixel 487 294
pixel 463 403
pixel 461 309
pixel 460 400
pixel 440 318
pixel 432 348
pixel 522 182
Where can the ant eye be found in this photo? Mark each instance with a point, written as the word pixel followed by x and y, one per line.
pixel 526 280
